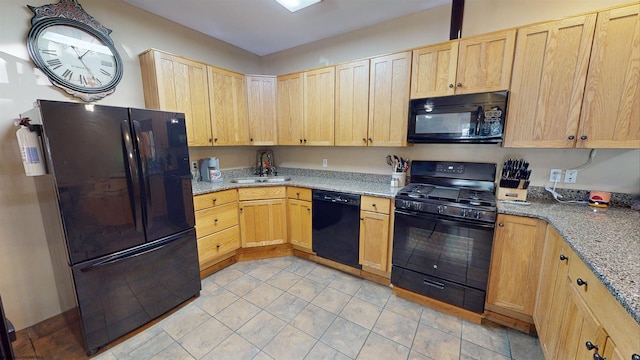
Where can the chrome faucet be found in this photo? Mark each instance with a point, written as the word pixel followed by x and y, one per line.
pixel 265 165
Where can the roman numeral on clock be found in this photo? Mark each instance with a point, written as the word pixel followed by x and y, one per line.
pixel 83 80
pixel 54 63
pixel 105 72
pixel 67 74
pixel 49 52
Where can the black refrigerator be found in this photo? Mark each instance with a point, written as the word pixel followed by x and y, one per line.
pixel 121 181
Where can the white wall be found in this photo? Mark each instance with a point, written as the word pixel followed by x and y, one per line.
pixel 26 279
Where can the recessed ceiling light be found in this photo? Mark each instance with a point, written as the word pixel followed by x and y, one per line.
pixel 295 5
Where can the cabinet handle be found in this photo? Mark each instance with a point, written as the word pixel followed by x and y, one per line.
pixel 450 86
pixel 563 258
pixel 571 137
pixel 635 357
pixel 598 357
pixel 583 137
pixel 501 224
pixel 459 84
pixel 581 282
pixel 590 345
pixel 370 140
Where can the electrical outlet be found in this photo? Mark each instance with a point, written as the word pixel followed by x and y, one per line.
pixel 571 176
pixel 556 175
pixel 324 162
pixel 194 165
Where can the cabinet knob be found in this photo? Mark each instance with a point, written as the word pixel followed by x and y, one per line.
pixel 373 205
pixel 214 200
pixel 305 140
pixel 241 209
pixel 450 86
pixel 571 137
pixel 635 357
pixel 251 139
pixel 215 139
pixel 210 140
pixel 563 258
pixel 598 357
pixel 361 219
pixel 364 139
pixel 309 210
pixel 590 345
pixel 583 137
pixel 300 141
pixel 218 246
pixel 215 221
pixel 459 84
pixel 501 224
pixel 581 282
pixel 297 194
pixel 370 139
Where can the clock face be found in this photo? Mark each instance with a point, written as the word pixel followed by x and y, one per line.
pixel 75 56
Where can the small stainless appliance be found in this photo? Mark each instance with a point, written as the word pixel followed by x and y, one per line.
pixel 469 118
pixel 443 232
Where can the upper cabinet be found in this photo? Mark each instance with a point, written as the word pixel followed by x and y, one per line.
pixel 575 83
pixel 174 83
pixel 318 106
pixel 389 78
pixel 611 109
pixel 261 104
pixel 549 72
pixel 228 101
pixel 470 65
pixel 352 104
pixel 289 109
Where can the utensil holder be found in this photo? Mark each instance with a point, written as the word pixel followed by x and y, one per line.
pixel 398 178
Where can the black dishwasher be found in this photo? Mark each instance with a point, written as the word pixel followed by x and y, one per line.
pixel 336 226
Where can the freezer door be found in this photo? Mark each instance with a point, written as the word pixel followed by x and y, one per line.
pixel 93 161
pixel 118 293
pixel 161 139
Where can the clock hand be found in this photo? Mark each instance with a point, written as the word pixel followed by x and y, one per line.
pixel 82 61
pixel 85 53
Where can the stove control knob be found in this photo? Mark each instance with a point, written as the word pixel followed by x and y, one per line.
pixel 463 212
pixel 416 205
pixel 440 209
pixel 476 214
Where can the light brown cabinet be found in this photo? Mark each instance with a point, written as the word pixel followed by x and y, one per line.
pixel 389 78
pixel 374 233
pixel 228 104
pixel 610 115
pixel 261 105
pixel 318 106
pixel 470 65
pixel 217 227
pixel 263 216
pixel 515 266
pixel 549 73
pixel 352 104
pixel 289 112
pixel 174 83
pixel 299 215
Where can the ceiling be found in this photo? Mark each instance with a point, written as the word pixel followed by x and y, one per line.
pixel 264 27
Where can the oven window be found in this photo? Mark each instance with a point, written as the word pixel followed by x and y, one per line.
pixel 451 250
pixel 444 123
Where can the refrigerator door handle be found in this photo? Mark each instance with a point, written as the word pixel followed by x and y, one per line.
pixel 133 179
pixel 123 257
pixel 146 188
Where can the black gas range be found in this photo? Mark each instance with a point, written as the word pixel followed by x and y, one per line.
pixel 443 232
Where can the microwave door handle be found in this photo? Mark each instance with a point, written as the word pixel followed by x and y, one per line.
pixel 479 118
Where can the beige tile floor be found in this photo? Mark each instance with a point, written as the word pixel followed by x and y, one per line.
pixel 290 308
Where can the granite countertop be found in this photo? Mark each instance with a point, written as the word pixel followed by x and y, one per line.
pixel 609 243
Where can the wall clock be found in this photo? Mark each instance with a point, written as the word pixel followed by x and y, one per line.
pixel 74 50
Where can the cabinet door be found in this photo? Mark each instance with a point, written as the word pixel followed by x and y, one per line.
pixel 299 223
pixel 548 310
pixel 352 104
pixel 515 264
pixel 549 72
pixel 289 109
pixel 611 109
pixel 389 99
pixel 261 103
pixel 434 70
pixel 319 106
pixel 374 240
pixel 484 62
pixel 228 102
pixel 212 246
pixel 173 83
pixel 263 222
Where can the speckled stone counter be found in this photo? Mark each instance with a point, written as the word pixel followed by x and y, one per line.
pixel 609 243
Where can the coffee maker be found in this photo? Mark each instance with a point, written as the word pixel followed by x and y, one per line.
pixel 210 170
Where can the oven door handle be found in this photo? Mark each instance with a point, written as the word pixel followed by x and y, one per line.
pixel 447 221
pixel 434 284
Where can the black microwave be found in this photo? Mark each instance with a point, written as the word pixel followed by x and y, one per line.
pixel 469 118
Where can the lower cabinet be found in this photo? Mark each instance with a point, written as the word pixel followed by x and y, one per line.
pixel 263 216
pixel 217 228
pixel 515 266
pixel 299 215
pixel 374 233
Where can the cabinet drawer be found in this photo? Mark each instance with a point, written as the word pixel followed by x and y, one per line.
pixel 262 193
pixel 375 204
pixel 214 245
pixel 299 193
pixel 215 219
pixel 214 199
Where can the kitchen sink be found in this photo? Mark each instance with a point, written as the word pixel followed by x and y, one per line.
pixel 253 180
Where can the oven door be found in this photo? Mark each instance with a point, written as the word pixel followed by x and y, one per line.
pixel 455 250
